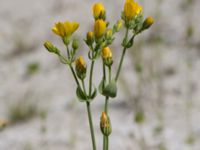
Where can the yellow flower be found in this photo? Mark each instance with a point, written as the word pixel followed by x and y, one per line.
pixel 148 22
pixel 98 10
pixel 131 9
pixel 65 29
pixel 106 53
pixel 99 28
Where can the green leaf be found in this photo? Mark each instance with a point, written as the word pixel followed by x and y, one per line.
pixel 94 94
pixel 130 43
pixel 80 94
pixel 101 86
pixel 111 89
pixel 124 43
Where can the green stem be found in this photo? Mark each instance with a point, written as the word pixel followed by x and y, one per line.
pixel 104 74
pixel 106 102
pixel 122 56
pixel 120 64
pixel 68 52
pixel 106 138
pixel 104 142
pixel 74 74
pixel 91 125
pixel 90 119
pixel 109 68
pixel 107 143
pixel 84 89
pixel 90 80
pixel 106 105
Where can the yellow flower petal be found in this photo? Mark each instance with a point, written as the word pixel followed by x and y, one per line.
pixel 98 10
pixel 65 29
pixel 106 53
pixel 99 28
pixel 131 9
pixel 70 27
pixel 75 27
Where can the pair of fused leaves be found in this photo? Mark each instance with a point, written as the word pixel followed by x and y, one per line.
pixel 128 43
pixel 109 90
pixel 83 96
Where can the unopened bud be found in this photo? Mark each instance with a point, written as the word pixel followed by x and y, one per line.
pixel 109 34
pixel 75 44
pixel 90 37
pixel 80 68
pixel 107 56
pixel 105 124
pixel 119 25
pixel 50 47
pixel 147 23
pixel 99 11
pixel 99 28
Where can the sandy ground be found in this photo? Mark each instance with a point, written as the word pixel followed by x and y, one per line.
pixel 26 24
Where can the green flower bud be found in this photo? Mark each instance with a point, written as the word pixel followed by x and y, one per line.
pixel 109 33
pixel 75 44
pixel 50 47
pixel 119 25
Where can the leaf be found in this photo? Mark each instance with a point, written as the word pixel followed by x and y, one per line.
pixel 80 94
pixel 130 43
pixel 94 93
pixel 101 86
pixel 124 43
pixel 111 89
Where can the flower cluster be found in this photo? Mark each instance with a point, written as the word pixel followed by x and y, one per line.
pixel 98 41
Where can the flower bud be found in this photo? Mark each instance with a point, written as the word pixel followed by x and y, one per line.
pixel 90 37
pixel 105 124
pixel 106 53
pixel 107 56
pixel 50 47
pixel 99 28
pixel 80 68
pixel 75 44
pixel 119 25
pixel 147 23
pixel 98 11
pixel 109 33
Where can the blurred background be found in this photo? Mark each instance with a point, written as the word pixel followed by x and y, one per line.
pixel 158 104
